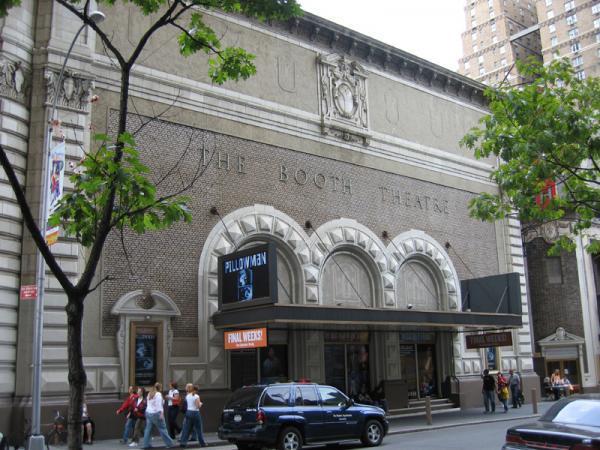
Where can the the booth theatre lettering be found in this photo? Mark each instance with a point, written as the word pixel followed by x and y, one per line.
pixel 247 262
pixel 223 161
pixel 413 200
pixel 320 180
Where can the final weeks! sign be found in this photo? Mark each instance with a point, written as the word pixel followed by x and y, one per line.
pixel 238 339
pixel 489 340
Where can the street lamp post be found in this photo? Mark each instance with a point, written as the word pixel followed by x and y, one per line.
pixel 36 440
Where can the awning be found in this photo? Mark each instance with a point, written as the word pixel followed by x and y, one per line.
pixel 320 316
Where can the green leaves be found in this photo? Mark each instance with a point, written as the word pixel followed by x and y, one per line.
pixel 98 177
pixel 545 130
pixel 5 5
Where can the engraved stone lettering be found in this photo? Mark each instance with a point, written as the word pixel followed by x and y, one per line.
pixel 283 176
pixel 320 180
pixel 300 179
pixel 223 158
pixel 241 164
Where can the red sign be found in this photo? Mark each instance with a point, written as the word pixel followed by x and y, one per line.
pixel 489 340
pixel 254 338
pixel 29 292
pixel 547 194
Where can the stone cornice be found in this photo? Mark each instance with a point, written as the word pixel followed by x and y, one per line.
pixel 334 38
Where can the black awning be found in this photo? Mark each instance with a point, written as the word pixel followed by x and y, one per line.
pixel 385 318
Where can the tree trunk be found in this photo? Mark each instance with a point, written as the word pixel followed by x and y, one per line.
pixel 77 375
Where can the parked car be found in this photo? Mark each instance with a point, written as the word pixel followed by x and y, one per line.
pixel 288 415
pixel 572 423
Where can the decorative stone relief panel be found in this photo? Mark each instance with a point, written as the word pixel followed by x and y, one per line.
pixel 343 98
pixel 14 80
pixel 74 92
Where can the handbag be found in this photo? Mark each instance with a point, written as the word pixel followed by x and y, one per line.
pixel 504 393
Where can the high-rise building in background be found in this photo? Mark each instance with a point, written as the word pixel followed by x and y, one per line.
pixel 501 32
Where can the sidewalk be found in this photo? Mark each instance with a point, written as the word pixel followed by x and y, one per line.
pixel 464 417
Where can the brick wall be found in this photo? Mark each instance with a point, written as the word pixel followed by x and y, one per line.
pixel 553 305
pixel 168 260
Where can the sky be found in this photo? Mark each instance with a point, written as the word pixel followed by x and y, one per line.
pixel 429 29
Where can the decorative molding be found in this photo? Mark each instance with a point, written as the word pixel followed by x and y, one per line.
pixel 549 231
pixel 74 92
pixel 145 303
pixel 15 82
pixel 560 338
pixel 343 102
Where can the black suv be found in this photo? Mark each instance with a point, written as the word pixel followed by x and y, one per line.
pixel 288 415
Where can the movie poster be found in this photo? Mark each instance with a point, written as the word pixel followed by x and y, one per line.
pixel 56 166
pixel 145 358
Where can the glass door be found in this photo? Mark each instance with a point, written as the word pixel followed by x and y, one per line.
pixel 347 368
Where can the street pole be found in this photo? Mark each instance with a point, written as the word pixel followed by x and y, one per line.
pixel 36 440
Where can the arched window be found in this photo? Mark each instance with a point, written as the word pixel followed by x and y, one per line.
pixel 346 281
pixel 419 285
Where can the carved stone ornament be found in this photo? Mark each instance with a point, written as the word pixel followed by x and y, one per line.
pixel 14 81
pixel 74 92
pixel 549 231
pixel 343 98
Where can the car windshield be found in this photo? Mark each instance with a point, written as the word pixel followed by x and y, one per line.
pixel 580 412
pixel 245 398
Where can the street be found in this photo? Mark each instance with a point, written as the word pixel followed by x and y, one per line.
pixel 485 436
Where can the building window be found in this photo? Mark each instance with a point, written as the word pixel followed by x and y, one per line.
pixel 474 36
pixel 573 33
pixel 475 48
pixel 493 27
pixel 503 61
pixel 553 41
pixel 553 270
pixel 597 23
pixel 467 65
pixel 481 71
pixel 597 37
pixel 550 14
pixel 569 5
pixel 552 28
pixel 575 47
pixel 492 14
pixel 596 8
pixel 490 4
pixel 580 75
pixel 556 54
pixel 502 50
pixel 548 2
pixel 578 61
pixel 481 59
pixel 571 19
pixel 494 39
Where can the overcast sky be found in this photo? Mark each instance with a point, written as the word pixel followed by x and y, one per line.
pixel 429 29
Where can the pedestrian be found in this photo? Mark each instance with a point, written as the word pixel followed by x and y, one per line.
pixel 155 417
pixel 502 391
pixel 514 382
pixel 193 419
pixel 173 402
pixel 139 412
pixel 127 408
pixel 87 424
pixel 489 392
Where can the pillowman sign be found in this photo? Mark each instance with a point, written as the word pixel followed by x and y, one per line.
pixel 248 277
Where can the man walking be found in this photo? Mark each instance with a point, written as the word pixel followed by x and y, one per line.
pixel 489 392
pixel 515 388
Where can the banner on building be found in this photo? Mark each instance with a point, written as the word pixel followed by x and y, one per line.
pixel 56 166
pixel 239 339
pixel 489 340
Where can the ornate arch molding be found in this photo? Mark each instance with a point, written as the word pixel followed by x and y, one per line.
pixel 418 244
pixel 349 234
pixel 148 306
pixel 237 228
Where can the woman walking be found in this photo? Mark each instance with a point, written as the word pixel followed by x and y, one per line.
pixel 193 420
pixel 127 408
pixel 502 391
pixel 173 400
pixel 155 417
pixel 139 412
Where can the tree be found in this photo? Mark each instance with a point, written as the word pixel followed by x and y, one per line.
pixel 545 136
pixel 111 188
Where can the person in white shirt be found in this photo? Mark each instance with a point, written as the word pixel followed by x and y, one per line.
pixel 155 416
pixel 173 401
pixel 193 419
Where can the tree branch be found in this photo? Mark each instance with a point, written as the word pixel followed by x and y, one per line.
pixel 97 285
pixel 40 242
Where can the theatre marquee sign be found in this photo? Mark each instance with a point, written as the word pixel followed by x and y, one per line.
pixel 248 277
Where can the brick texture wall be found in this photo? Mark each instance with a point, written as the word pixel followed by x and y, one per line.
pixel 319 192
pixel 553 305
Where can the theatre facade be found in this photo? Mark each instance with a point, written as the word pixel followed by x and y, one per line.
pixel 330 240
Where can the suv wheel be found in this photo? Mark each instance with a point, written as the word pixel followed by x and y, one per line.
pixel 289 439
pixel 372 434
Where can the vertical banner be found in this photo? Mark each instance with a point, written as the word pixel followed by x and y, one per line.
pixel 56 165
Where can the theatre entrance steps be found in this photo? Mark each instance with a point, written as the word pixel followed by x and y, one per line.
pixel 417 408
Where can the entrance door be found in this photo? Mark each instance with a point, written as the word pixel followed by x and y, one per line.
pixel 568 368
pixel 418 369
pixel 244 370
pixel 347 368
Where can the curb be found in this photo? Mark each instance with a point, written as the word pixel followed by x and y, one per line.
pixel 459 424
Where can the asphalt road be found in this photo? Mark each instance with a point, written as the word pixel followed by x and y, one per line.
pixel 485 436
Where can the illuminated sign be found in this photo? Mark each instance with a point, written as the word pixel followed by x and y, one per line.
pixel 248 277
pixel 238 339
